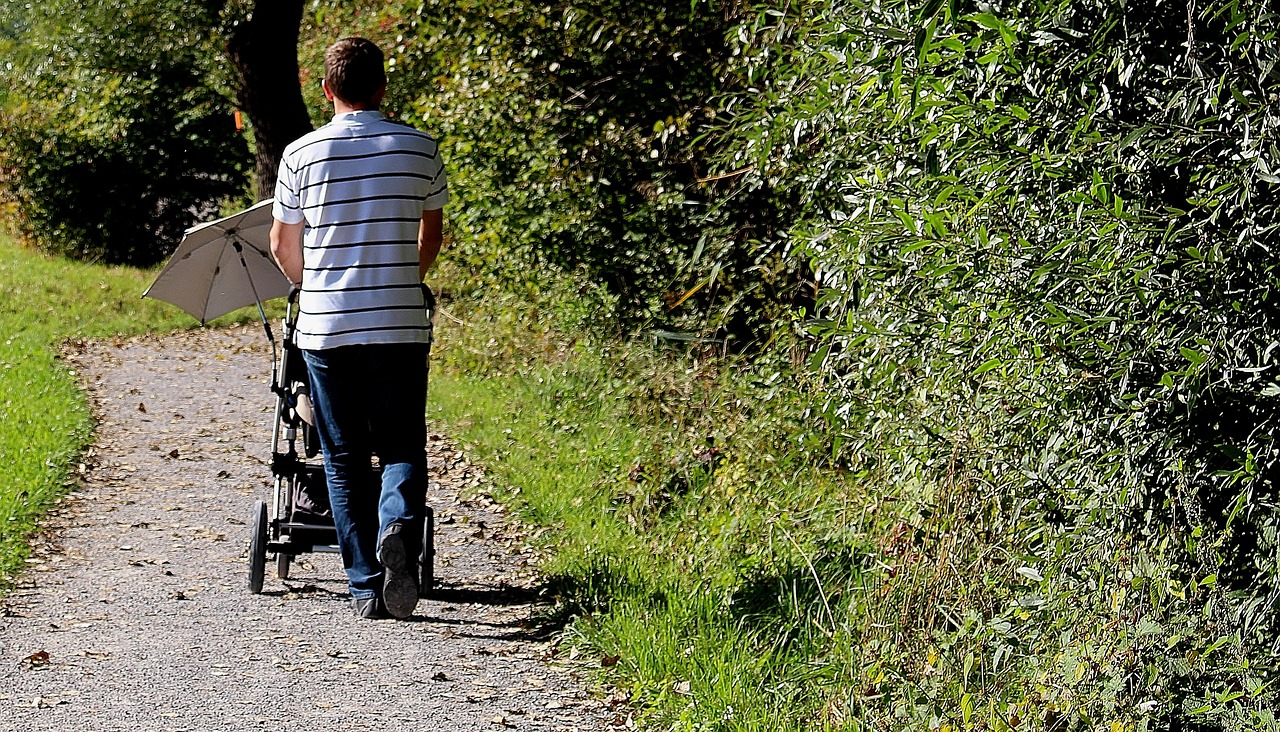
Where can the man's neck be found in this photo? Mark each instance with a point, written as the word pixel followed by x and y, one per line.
pixel 344 108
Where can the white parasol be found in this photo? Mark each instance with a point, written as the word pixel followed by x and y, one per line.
pixel 223 265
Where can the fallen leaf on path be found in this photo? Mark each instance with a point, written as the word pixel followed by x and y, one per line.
pixel 39 658
pixel 618 699
pixel 42 703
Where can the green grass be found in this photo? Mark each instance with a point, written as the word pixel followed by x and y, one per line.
pixel 691 567
pixel 44 419
pixel 709 562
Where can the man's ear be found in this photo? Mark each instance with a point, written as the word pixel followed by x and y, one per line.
pixel 328 93
pixel 378 95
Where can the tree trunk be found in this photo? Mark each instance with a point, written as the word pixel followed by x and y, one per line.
pixel 263 47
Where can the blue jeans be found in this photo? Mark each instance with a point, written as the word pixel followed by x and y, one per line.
pixel 371 400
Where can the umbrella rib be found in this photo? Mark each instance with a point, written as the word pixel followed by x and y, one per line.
pixel 209 294
pixel 230 234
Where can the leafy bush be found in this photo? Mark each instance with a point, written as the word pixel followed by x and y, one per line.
pixel 112 138
pixel 1043 325
pixel 574 134
pixel 1044 239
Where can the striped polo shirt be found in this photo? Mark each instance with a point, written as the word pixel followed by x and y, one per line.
pixel 360 183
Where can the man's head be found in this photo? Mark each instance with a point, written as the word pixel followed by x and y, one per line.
pixel 353 73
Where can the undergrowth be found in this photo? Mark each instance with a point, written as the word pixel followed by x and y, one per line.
pixel 730 574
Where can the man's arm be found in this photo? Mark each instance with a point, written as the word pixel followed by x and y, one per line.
pixel 430 239
pixel 286 249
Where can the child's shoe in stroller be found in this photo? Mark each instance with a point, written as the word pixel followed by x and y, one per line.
pixel 400 577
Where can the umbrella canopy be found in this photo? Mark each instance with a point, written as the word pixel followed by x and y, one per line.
pixel 221 266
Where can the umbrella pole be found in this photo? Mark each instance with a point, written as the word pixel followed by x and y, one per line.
pixel 235 242
pixel 266 326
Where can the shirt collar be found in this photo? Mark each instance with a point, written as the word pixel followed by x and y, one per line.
pixel 360 115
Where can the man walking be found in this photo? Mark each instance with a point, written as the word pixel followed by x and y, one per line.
pixel 357 224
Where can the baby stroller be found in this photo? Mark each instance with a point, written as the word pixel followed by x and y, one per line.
pixel 298 519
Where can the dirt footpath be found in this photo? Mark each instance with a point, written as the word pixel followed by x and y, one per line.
pixel 135 613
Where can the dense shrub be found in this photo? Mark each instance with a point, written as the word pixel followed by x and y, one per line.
pixel 575 135
pixel 1044 234
pixel 113 137
pixel 1044 319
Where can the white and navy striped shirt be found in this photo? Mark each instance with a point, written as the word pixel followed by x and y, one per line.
pixel 361 184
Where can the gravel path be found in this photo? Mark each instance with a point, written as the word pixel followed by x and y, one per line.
pixel 135 613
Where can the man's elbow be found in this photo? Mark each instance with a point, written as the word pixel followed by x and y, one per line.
pixel 285 242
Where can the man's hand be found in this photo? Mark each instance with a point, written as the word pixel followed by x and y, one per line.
pixel 286 249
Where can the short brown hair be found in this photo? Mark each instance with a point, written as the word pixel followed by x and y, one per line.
pixel 353 70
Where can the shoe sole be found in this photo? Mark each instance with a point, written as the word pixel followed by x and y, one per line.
pixel 399 587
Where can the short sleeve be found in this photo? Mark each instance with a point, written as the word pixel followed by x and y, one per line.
pixel 286 208
pixel 438 189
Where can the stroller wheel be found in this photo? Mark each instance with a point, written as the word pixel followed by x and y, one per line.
pixel 426 562
pixel 258 547
pixel 282 565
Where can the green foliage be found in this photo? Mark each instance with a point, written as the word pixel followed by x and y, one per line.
pixel 112 138
pixel 1040 354
pixel 1044 236
pixel 573 135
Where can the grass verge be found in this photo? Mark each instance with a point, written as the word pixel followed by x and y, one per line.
pixel 710 561
pixel 700 566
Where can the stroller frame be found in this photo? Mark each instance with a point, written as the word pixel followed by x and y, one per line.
pixel 289 526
